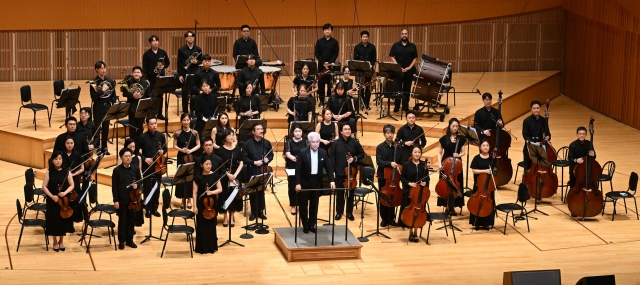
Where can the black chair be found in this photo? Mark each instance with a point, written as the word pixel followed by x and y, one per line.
pixel 613 196
pixel 29 204
pixel 366 175
pixel 175 213
pixel 96 207
pixel 58 86
pixel 562 162
pixel 445 218
pixel 608 169
pixel 176 229
pixel 30 223
pixel 520 164
pixel 25 96
pixel 30 178
pixel 523 196
pixel 99 223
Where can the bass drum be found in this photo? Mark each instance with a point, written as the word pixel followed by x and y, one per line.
pixel 432 77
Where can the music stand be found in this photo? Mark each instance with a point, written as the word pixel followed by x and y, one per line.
pixel 117 112
pixel 298 64
pixel 241 61
pixel 452 188
pixel 538 156
pixel 228 202
pixel 146 202
pixel 184 174
pixel 471 136
pixel 147 107
pixel 244 131
pixel 306 127
pixel 256 184
pixel 389 70
pixel 208 127
pixel 165 85
pixel 69 98
pixel 384 197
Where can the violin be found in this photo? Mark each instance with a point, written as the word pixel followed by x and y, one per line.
pixel 63 202
pixel 392 189
pixel 188 158
pixel 540 176
pixel 73 195
pixel 500 143
pixel 584 198
pixel 350 173
pixel 481 203
pixel 161 161
pixel 209 211
pixel 451 168
pixel 135 195
pixel 415 215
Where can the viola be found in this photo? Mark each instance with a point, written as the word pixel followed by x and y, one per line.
pixel 63 202
pixel 135 195
pixel 500 143
pixel 584 198
pixel 481 203
pixel 451 168
pixel 161 161
pixel 415 215
pixel 541 176
pixel 209 202
pixel 350 174
pixel 392 189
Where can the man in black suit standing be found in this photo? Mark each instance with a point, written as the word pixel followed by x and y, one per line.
pixel 309 165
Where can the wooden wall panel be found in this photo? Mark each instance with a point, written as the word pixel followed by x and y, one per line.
pixel 6 56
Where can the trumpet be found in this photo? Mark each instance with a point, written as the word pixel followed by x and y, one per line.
pixel 188 63
pixel 159 66
pixel 97 87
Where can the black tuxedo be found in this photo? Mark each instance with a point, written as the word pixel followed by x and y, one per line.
pixel 120 180
pixel 306 180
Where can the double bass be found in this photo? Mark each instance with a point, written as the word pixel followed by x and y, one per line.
pixel 584 198
pixel 451 168
pixel 500 143
pixel 415 215
pixel 392 189
pixel 541 181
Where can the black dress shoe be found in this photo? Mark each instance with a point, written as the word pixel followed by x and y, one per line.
pixel 161 117
pixel 147 214
pixel 338 217
pixel 252 217
pixel 106 152
pixel 313 230
pixel 131 244
pixel 121 246
pixel 305 230
pixel 396 109
pixel 393 223
pixel 262 216
pixel 156 213
pixel 383 224
pixel 351 217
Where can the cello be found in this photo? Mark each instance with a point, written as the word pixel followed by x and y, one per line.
pixel 415 215
pixel 584 198
pixel 500 143
pixel 541 181
pixel 451 168
pixel 481 203
pixel 392 189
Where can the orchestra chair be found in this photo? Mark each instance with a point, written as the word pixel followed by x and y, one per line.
pixel 523 196
pixel 30 178
pixel 445 218
pixel 58 86
pixel 175 213
pixel 520 165
pixel 30 223
pixel 96 207
pixel 99 223
pixel 613 196
pixel 29 204
pixel 176 229
pixel 562 162
pixel 610 168
pixel 25 96
pixel 366 175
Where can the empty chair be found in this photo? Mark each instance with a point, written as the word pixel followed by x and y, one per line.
pixel 562 162
pixel 94 224
pixel 182 229
pixel 30 178
pixel 30 223
pixel 25 96
pixel 614 196
pixel 608 169
pixel 29 204
pixel 510 208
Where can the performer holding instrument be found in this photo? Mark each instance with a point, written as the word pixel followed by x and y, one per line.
pixel 484 186
pixel 410 135
pixel 578 150
pixel 326 52
pixel 449 156
pixel 187 142
pixel 300 108
pixel 218 132
pixel 87 128
pixel 189 59
pixel 229 150
pixel 584 199
pixel 103 94
pixel 540 179
pixel 365 51
pixel 252 74
pixel 535 130
pixel 136 89
pixel 206 107
pixel 415 188
pixel 72 161
pixel 155 61
pixel 389 169
pixel 341 106
pixel 206 187
pixel 306 79
pixel 345 153
pixel 57 184
pixel 292 152
pixel 327 129
pixel 257 155
pixel 248 105
pixel 152 145
pixel 123 189
pixel 489 126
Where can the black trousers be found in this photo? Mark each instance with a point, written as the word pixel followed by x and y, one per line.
pixel 185 102
pixel 257 202
pixel 136 128
pixel 147 186
pixel 340 197
pixel 387 214
pixel 404 84
pixel 125 224
pixel 152 84
pixel 292 191
pixel 308 201
pixel 99 112
pixel 366 92
pixel 324 81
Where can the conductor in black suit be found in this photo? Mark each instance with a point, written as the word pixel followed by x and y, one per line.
pixel 309 165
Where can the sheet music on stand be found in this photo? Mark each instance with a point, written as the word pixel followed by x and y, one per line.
pixel 231 197
pixel 153 191
pixel 470 134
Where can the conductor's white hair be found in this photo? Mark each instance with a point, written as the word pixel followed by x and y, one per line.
pixel 312 135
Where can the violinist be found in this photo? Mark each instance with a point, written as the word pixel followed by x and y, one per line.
pixel 327 129
pixel 121 187
pixel 186 141
pixel 579 149
pixel 71 159
pixel 208 151
pixel 305 79
pixel 482 163
pixel 136 161
pixel 207 181
pixel 300 108
pixel 448 149
pixel 133 97
pixel 345 151
pixel 292 152
pixel 413 170
pixel 534 130
pixel 206 107
pixel 486 117
pixel 80 142
pixel 152 143
pixel 312 160
pixel 87 128
pixel 253 155
pixel 248 105
pixel 218 132
pixel 387 156
pixel 230 150
pixel 57 183
pixel 407 135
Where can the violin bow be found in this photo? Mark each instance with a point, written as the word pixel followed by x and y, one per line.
pixel 156 159
pixel 214 183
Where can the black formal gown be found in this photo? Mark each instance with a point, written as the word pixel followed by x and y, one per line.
pixel 69 162
pixel 206 235
pixel 449 149
pixel 185 190
pixel 56 225
pixel 226 154
pixel 327 132
pixel 481 163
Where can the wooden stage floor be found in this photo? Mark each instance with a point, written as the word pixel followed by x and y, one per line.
pixel 578 248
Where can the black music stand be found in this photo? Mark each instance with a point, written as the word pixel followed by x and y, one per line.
pixel 146 202
pixel 360 69
pixel 471 136
pixel 208 127
pixel 69 98
pixel 307 127
pixel 184 174
pixel 389 70
pixel 244 131
pixel 147 107
pixel 117 112
pixel 452 188
pixel 298 64
pixel 378 196
pixel 165 85
pixel 241 61
pixel 232 196
pixel 538 156
pixel 256 184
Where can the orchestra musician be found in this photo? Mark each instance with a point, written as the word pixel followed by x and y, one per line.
pixel 206 74
pixel 79 140
pixel 328 130
pixel 122 183
pixel 230 150
pixel 87 128
pixel 486 117
pixel 218 132
pixel 326 52
pixel 71 159
pixel 341 105
pixel 186 141
pixel 152 143
pixel 579 149
pixel 245 45
pixel 136 161
pixel 344 151
pixel 216 161
pixel 292 152
pixel 346 80
pixel 57 183
pixel 102 100
pixel 133 97
pixel 365 51
pixel 206 234
pixel 448 149
pixel 533 129
pixel 206 107
pixel 305 79
pixel 251 73
pixel 405 54
pixel 309 165
pixel 413 170
pixel 300 108
pixel 155 61
pixel 482 163
pixel 253 153
pixel 248 105
pixel 184 53
pixel 408 136
pixel 387 156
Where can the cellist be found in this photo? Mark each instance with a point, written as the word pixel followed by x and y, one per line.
pixel 448 149
pixel 123 176
pixel 150 141
pixel 344 151
pixel 486 117
pixel 533 129
pixel 413 170
pixel 482 163
pixel 388 155
pixel 577 150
